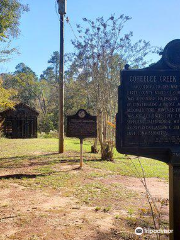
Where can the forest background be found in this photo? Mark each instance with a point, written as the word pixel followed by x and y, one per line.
pixel 92 74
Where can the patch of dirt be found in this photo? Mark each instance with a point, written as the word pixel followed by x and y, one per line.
pixel 47 214
pixel 157 187
pixel 34 213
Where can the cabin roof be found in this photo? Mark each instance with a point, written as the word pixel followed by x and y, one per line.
pixel 18 106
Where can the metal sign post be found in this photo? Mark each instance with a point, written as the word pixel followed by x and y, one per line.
pixel 148 119
pixel 174 195
pixel 81 125
pixel 81 153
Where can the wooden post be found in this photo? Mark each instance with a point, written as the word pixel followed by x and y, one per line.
pixel 81 153
pixel 174 201
pixel 61 87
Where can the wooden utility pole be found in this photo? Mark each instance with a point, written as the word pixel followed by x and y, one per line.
pixel 61 87
pixel 62 12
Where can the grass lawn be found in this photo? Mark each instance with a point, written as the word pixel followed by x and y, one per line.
pixel 20 149
pixel 43 194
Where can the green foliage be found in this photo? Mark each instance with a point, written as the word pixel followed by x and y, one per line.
pixel 25 82
pixel 46 123
pixel 5 101
pixel 91 77
pixel 10 14
pixel 101 51
pixel 48 75
pixel 54 61
pixel 6 53
pixel 9 19
pixel 50 89
pixel 5 97
pixel 75 96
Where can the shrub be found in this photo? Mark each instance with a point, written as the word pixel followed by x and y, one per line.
pixel 51 134
pixel 46 123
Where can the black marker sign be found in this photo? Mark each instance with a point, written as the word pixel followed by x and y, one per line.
pixel 82 125
pixel 148 119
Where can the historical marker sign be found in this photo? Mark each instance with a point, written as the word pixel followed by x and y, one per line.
pixel 81 125
pixel 149 112
pixel 148 119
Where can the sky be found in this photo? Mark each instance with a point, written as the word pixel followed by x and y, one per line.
pixel 156 21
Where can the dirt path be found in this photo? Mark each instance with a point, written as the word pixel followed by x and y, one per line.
pixel 45 213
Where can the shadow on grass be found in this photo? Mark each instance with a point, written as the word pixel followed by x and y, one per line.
pixel 26 161
pixel 34 157
pixel 20 176
pixel 28 157
pixel 33 160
